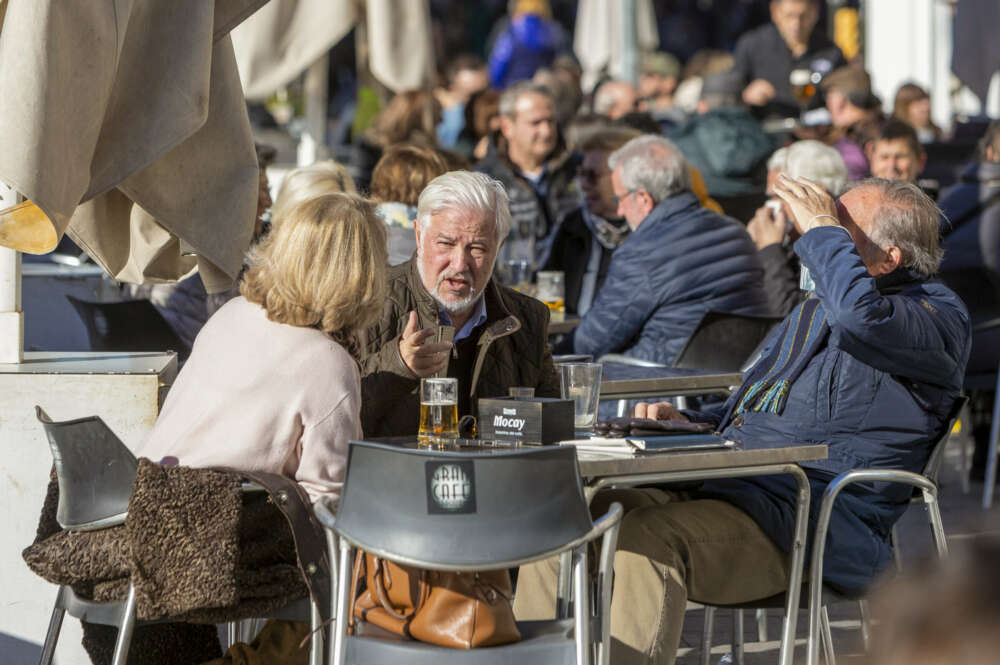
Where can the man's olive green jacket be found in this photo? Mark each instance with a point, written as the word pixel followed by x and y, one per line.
pixel 512 350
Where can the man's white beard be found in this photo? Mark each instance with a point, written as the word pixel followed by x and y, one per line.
pixel 452 306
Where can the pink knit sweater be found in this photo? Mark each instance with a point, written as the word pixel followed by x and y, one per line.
pixel 264 396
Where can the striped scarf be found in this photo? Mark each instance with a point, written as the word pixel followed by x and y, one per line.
pixel 765 388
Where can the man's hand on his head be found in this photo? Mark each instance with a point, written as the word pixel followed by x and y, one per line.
pixel 758 93
pixel 658 411
pixel 767 227
pixel 423 358
pixel 811 205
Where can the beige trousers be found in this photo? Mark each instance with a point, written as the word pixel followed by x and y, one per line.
pixel 669 550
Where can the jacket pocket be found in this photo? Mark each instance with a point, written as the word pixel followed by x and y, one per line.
pixel 826 387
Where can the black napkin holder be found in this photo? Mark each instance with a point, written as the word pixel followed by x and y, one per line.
pixel 531 420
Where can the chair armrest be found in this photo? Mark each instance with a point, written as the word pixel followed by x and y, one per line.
pixel 989 324
pixel 325 514
pixel 627 360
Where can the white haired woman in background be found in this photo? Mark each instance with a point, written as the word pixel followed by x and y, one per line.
pixel 771 228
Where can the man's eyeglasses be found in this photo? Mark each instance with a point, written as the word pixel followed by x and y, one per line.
pixel 618 199
pixel 591 175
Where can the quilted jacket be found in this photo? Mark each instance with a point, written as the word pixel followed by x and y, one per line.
pixel 512 350
pixel 878 394
pixel 682 261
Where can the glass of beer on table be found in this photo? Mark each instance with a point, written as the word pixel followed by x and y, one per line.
pixel 552 292
pixel 438 411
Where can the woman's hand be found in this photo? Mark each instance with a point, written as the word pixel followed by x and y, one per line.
pixel 658 411
pixel 810 204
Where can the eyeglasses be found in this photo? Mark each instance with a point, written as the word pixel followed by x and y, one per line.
pixel 591 175
pixel 618 199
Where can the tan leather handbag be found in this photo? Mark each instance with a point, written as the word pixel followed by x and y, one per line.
pixel 457 610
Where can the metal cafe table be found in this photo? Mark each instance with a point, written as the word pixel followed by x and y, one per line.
pixel 600 471
pixel 608 470
pixel 620 381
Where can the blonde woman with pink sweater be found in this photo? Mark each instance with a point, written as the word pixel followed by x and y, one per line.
pixel 272 383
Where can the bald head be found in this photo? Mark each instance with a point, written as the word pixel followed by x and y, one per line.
pixel 615 98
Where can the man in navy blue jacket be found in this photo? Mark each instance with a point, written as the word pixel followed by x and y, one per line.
pixel 680 261
pixel 870 365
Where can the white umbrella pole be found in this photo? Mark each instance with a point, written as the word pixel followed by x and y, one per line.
pixel 312 145
pixel 11 318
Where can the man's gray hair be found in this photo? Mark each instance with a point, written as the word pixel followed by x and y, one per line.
pixel 778 161
pixel 817 162
pixel 908 219
pixel 508 100
pixel 468 191
pixel 654 164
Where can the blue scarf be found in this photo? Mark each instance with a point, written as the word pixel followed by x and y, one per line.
pixel 765 388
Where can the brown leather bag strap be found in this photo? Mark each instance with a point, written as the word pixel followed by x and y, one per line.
pixel 359 572
pixel 307 532
pixel 382 572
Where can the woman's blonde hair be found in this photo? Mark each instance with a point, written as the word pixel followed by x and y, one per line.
pixel 324 266
pixel 306 182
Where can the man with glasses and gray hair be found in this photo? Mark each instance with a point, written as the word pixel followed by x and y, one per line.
pixel 680 261
pixel 500 335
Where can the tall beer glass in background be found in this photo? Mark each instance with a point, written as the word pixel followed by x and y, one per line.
pixel 438 411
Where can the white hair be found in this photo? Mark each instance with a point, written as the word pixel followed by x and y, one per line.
pixel 654 164
pixel 778 161
pixel 468 191
pixel 908 219
pixel 817 162
pixel 510 96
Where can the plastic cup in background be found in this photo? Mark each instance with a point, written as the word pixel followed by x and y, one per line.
pixel 581 382
pixel 552 292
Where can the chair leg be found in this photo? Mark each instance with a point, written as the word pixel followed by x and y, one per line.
pixel 125 628
pixel 706 635
pixel 761 624
pixel 316 637
pixel 896 556
pixel 963 452
pixel 866 624
pixel 52 635
pixel 827 636
pixel 738 652
pixel 991 455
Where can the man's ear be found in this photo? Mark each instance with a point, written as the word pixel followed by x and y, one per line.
pixel 892 258
pixel 505 126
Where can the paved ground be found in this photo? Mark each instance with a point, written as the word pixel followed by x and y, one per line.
pixel 963 518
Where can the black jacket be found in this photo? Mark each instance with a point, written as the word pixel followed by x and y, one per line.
pixel 528 208
pixel 570 252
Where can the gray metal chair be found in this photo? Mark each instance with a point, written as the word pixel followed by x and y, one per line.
pixel 820 595
pixel 519 506
pixel 95 472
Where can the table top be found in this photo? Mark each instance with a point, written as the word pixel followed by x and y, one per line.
pixel 697 460
pixel 621 381
pixel 565 326
pixel 92 362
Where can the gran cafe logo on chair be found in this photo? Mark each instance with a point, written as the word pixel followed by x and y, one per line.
pixel 451 487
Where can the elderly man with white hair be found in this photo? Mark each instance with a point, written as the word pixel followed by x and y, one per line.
pixel 680 261
pixel 771 227
pixel 500 336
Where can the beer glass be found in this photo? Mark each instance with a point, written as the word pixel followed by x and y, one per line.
pixel 552 292
pixel 438 410
pixel 581 382
pixel 802 85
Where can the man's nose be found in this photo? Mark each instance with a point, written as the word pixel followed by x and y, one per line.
pixel 459 260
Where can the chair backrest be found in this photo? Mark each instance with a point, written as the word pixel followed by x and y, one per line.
pixel 94 469
pixel 933 464
pixel 724 341
pixel 130 325
pixel 439 508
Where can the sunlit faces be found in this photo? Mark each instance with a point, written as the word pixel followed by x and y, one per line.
pixel 531 133
pixel 455 257
pixel 895 160
pixel 855 210
pixel 631 203
pixel 795 20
